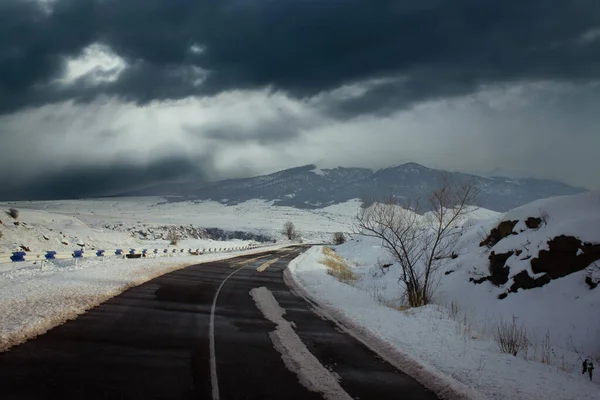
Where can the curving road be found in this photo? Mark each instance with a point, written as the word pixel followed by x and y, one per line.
pixel 210 331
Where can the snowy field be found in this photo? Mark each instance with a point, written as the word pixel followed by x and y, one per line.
pixel 109 223
pixel 454 336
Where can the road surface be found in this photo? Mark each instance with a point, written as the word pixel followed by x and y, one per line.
pixel 198 333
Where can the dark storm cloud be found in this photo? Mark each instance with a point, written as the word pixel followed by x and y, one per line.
pixel 431 48
pixel 89 181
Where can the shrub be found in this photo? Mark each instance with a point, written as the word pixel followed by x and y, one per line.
pixel 546 349
pixel 339 238
pixel 289 231
pixel 13 213
pixel 544 216
pixel 173 237
pixel 510 337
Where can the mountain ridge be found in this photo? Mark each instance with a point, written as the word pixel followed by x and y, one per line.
pixel 308 186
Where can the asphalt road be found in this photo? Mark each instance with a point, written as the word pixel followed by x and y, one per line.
pixel 153 342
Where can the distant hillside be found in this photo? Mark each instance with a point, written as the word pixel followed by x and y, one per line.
pixel 310 187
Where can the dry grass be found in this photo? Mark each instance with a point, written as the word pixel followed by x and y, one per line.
pixel 337 267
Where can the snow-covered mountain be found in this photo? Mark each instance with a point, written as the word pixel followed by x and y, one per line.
pixel 309 187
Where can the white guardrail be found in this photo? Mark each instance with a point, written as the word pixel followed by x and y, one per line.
pixel 49 255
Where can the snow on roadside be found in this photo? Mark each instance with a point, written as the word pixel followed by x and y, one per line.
pixel 296 356
pixel 33 300
pixel 429 337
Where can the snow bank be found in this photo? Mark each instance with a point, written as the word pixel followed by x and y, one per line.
pixel 445 355
pixel 33 300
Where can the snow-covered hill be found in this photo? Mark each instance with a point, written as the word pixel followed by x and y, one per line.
pixel 536 265
pixel 309 187
pixel 536 271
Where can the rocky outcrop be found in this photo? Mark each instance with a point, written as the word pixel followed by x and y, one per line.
pixel 533 223
pixel 504 229
pixel 498 270
pixel 566 255
pixel 522 280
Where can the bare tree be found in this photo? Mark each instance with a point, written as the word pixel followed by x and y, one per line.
pixel 419 243
pixel 289 231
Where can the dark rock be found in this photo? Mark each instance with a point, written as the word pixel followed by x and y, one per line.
pixel 561 259
pixel 591 283
pixel 479 280
pixel 24 248
pixel 533 223
pixel 499 273
pixel 133 255
pixel 522 280
pixel 502 296
pixel 518 252
pixel 449 272
pixel 504 229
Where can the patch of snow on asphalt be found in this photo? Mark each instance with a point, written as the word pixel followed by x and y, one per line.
pixel 311 373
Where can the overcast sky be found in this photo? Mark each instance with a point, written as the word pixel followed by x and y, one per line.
pixel 106 95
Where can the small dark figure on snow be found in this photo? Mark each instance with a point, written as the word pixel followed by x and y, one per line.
pixel 588 367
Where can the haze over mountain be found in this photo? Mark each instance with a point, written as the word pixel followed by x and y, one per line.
pixel 310 187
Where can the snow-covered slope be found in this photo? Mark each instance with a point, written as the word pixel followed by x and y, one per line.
pixel 556 306
pixel 534 274
pixel 564 304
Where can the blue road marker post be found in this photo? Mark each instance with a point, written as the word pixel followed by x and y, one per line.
pixel 77 254
pixel 50 255
pixel 17 256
